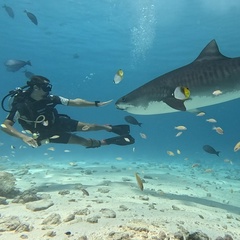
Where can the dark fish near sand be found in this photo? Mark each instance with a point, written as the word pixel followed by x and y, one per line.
pixel 14 65
pixel 28 74
pixel 9 11
pixel 132 120
pixel 32 17
pixel 211 70
pixel 210 149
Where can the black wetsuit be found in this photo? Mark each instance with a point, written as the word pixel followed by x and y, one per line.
pixel 42 118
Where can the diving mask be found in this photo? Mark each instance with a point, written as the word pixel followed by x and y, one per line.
pixel 47 87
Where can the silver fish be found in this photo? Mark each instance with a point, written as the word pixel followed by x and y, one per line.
pixel 14 65
pixel 210 71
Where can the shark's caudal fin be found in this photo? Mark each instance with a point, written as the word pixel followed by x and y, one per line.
pixel 210 52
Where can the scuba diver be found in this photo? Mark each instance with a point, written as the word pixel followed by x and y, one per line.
pixel 34 109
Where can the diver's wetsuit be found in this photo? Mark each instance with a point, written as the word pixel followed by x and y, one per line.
pixel 42 118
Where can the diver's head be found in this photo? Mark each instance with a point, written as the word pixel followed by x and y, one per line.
pixel 40 82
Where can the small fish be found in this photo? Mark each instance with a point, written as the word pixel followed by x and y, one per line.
pixel 9 11
pixel 211 120
pixel 217 92
pixel 85 192
pixel 14 65
pixel 200 114
pixel 32 17
pixel 13 147
pixel 67 151
pixel 51 149
pixel 237 147
pixel 178 151
pixel 219 130
pixel 170 153
pixel 179 134
pixel 210 149
pixel 132 120
pixel 181 93
pixel 119 158
pixel 118 76
pixel 181 128
pixel 54 137
pixel 28 74
pixel 228 161
pixel 195 165
pixel 143 135
pixel 139 181
pixel 73 164
pixel 28 131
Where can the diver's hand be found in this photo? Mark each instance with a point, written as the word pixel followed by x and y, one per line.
pixel 30 141
pixel 101 104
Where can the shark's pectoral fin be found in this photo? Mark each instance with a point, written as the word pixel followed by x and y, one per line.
pixel 175 103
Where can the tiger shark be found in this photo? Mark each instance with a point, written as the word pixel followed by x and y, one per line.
pixel 210 72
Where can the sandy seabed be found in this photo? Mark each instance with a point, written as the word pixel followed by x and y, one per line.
pixel 90 200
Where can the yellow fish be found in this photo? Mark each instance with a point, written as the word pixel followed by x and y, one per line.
pixel 237 147
pixel 139 181
pixel 181 93
pixel 51 149
pixel 211 120
pixel 219 130
pixel 217 92
pixel 200 114
pixel 181 128
pixel 54 137
pixel 118 76
pixel 170 153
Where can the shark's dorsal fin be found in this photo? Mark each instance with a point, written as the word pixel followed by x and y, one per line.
pixel 210 52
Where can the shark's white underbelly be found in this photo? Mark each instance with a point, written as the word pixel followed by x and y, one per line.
pixel 195 102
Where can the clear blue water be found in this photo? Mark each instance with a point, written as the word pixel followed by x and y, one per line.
pixel 146 39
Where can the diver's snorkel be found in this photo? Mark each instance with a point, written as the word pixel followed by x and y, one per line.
pixel 12 94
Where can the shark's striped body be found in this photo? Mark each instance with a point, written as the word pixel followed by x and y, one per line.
pixel 209 72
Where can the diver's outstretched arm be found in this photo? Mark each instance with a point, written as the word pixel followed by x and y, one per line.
pixel 78 102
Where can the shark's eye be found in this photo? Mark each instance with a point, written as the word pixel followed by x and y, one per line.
pixel 123 99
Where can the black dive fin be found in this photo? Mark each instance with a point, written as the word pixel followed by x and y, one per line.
pixel 121 129
pixel 121 140
pixel 175 103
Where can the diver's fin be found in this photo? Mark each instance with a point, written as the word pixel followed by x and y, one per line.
pixel 175 103
pixel 121 140
pixel 121 129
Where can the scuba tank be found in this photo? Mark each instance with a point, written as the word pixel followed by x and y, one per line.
pixel 18 92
